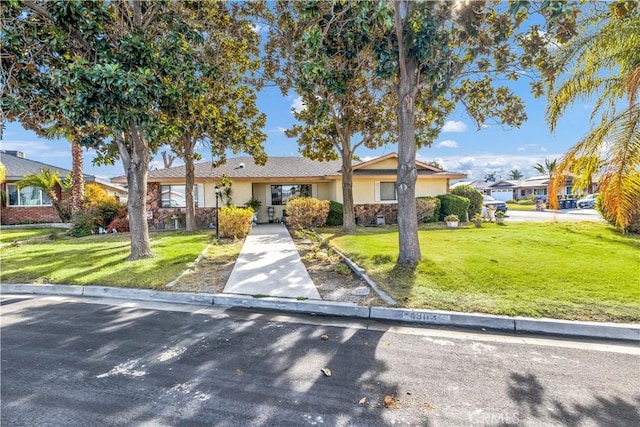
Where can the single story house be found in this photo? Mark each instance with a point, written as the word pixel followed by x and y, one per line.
pixel 281 178
pixel 32 205
pixel 517 189
pixel 500 190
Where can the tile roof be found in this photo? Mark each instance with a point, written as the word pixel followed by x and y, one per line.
pixel 276 167
pixel 18 167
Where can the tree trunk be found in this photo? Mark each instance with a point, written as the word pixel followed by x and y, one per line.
pixel 135 159
pixel 406 89
pixel 190 217
pixel 77 179
pixel 348 213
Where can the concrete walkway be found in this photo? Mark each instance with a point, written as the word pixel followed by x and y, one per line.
pixel 269 264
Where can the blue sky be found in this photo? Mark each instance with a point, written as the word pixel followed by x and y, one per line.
pixel 460 147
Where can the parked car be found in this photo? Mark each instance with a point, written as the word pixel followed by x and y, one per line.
pixel 587 202
pixel 499 205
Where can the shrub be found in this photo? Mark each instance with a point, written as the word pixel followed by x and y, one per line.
pixel 474 196
pixel 435 216
pixel 107 210
pixel 100 209
pixel 307 212
pixel 452 204
pixel 234 222
pixel 336 214
pixel 451 218
pixel 425 209
pixel 121 225
pixel 83 225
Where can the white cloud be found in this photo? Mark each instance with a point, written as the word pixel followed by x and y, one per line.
pixel 453 126
pixel 279 129
pixel 522 149
pixel 544 150
pixel 448 143
pixel 477 166
pixel 298 105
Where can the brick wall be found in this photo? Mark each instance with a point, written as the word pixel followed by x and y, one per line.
pixel 367 214
pixel 162 218
pixel 28 214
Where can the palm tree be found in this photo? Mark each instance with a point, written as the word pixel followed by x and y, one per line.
pixel 515 174
pixel 547 168
pixel 605 63
pixel 49 182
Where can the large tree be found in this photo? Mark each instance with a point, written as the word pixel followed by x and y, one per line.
pixel 320 50
pixel 217 105
pixel 441 54
pixel 108 63
pixel 603 62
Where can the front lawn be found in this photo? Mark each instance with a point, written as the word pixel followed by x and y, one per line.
pixel 584 271
pixel 517 207
pixel 102 260
pixel 8 235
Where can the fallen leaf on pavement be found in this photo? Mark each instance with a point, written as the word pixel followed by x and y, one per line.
pixel 388 401
pixel 324 337
pixel 326 371
pixel 362 401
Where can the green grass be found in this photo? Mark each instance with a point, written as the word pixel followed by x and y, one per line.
pixel 12 234
pixel 517 207
pixel 584 271
pixel 102 260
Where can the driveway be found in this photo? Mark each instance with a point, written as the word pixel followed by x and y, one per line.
pixel 563 215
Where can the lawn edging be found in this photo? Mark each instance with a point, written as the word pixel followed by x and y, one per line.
pixel 567 328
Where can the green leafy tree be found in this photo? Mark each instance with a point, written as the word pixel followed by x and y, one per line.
pixel 319 50
pixel 603 62
pixel 438 55
pixel 217 106
pixel 491 177
pixel 108 64
pixel 51 183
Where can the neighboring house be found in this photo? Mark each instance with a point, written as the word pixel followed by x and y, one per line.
pixel 500 190
pixel 537 186
pixel 282 178
pixel 529 188
pixel 32 205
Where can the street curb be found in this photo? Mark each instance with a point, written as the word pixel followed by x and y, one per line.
pixel 566 328
pixel 328 308
pixel 361 274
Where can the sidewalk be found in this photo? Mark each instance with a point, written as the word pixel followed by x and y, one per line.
pixel 269 265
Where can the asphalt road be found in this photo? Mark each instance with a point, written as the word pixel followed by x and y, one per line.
pixel 72 362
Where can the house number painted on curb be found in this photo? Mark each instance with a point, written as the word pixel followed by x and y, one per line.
pixel 426 317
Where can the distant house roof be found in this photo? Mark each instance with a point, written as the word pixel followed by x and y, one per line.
pixel 17 167
pixel 245 167
pixel 282 168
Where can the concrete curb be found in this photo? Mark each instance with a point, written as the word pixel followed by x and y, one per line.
pixel 613 331
pixel 360 273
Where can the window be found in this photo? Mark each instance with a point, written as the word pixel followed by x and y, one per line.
pixel 27 196
pixel 522 193
pixel 540 191
pixel 174 196
pixel 387 191
pixel 281 194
